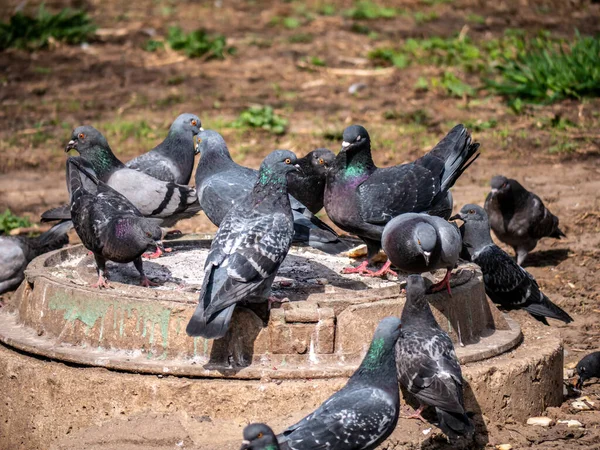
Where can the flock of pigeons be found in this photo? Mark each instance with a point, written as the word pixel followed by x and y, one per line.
pixel 121 212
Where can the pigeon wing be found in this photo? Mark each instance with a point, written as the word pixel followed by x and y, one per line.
pixel 156 165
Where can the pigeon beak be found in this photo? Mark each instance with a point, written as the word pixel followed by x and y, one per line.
pixel 426 255
pixel 245 445
pixel 72 145
pixel 201 129
pixel 197 141
pixel 494 191
pixel 456 217
pixel 298 168
pixel 345 144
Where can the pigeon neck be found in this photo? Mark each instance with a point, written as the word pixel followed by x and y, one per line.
pixel 216 160
pixel 358 164
pixel 270 185
pixel 417 312
pixel 179 146
pixel 476 236
pixel 103 161
pixel 380 360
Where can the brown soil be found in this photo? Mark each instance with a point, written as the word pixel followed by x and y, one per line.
pixel 47 93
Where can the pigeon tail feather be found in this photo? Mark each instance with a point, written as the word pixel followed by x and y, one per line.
pixel 55 237
pixel 557 233
pixel 455 424
pixel 546 308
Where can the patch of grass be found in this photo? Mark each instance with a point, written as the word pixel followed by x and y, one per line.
pixel 388 55
pixel 475 18
pixel 301 38
pixel 359 28
pixel 423 17
pixel 368 10
pixel 153 45
pixel 122 130
pixel 316 61
pixel 42 70
pixel 551 71
pixel 327 9
pixel 452 85
pixel 435 2
pixel 481 125
pixel 261 117
pixel 31 33
pixel 418 116
pixel 9 221
pixel 196 44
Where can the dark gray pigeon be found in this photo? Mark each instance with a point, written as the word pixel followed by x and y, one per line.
pixel 168 201
pixel 519 217
pixel 427 364
pixel 172 159
pixel 108 224
pixel 506 283
pixel 588 367
pixel 361 198
pixel 253 239
pixel 222 183
pixel 417 243
pixel 363 413
pixel 308 185
pixel 18 251
pixel 258 436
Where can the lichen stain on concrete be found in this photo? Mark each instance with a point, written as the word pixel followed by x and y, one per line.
pixel 88 311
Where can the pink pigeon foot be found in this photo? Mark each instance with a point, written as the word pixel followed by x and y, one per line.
pixel 416 414
pixel 383 271
pixel 157 253
pixel 101 283
pixel 361 269
pixel 445 283
pixel 145 282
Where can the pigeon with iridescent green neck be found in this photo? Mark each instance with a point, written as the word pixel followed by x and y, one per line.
pixel 364 412
pixel 258 436
pixel 308 186
pixel 361 198
pixel 252 241
pixel 172 159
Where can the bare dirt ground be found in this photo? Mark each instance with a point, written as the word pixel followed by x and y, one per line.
pixel 133 95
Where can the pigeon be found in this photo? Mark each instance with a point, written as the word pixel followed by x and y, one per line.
pixel 108 224
pixel 222 183
pixel 364 412
pixel 418 243
pixel 308 186
pixel 173 159
pixel 258 436
pixel 18 251
pixel 427 364
pixel 253 239
pixel 588 367
pixel 152 197
pixel 361 198
pixel 506 283
pixel 519 217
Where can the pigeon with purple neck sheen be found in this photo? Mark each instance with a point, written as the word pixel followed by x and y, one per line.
pixel 427 364
pixel 365 411
pixel 308 185
pixel 222 184
pixel 16 252
pixel 506 283
pixel 108 224
pixel 519 217
pixel 172 159
pixel 361 198
pixel 253 239
pixel 258 436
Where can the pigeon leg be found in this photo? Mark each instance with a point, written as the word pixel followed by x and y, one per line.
pixel 102 273
pixel 383 271
pixel 144 279
pixel 361 269
pixel 417 414
pixel 445 283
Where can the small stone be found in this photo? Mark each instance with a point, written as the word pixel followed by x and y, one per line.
pixel 583 404
pixel 353 89
pixel 504 447
pixel 572 423
pixel 539 421
pixel 426 431
pixel 357 252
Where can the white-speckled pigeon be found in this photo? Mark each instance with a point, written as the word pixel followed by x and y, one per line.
pixel 427 364
pixel 519 217
pixel 364 412
pixel 506 283
pixel 222 183
pixel 417 243
pixel 361 198
pixel 308 186
pixel 588 367
pixel 252 241
pixel 18 251
pixel 258 436
pixel 108 224
pixel 172 159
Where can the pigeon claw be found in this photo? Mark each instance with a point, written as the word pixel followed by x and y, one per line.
pixel 361 269
pixel 145 282
pixel 416 415
pixel 445 283
pixel 383 271
pixel 157 253
pixel 101 283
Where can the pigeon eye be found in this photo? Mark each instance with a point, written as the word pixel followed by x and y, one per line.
pixel 81 136
pixel 288 161
pixel 194 123
pixel 259 435
pixel 148 234
pixel 504 185
pixel 471 211
pixel 419 241
pixel 358 138
pixel 321 161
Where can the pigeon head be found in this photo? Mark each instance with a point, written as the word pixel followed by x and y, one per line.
pixel 278 164
pixel 258 436
pixel 187 123
pixel 354 138
pixel 426 238
pixel 85 139
pixel 150 233
pixel 415 286
pixel 471 213
pixel 476 228
pixel 500 185
pixel 321 160
pixel 588 367
pixel 211 143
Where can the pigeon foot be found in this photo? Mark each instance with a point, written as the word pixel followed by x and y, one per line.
pixel 361 269
pixel 445 283
pixel 416 415
pixel 383 271
pixel 101 283
pixel 145 282
pixel 157 253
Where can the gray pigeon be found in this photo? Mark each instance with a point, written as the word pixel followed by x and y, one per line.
pixel 172 159
pixel 18 251
pixel 519 217
pixel 222 183
pixel 361 198
pixel 152 197
pixel 588 367
pixel 308 185
pixel 427 364
pixel 253 239
pixel 258 436
pixel 108 224
pixel 506 283
pixel 418 243
pixel 364 412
